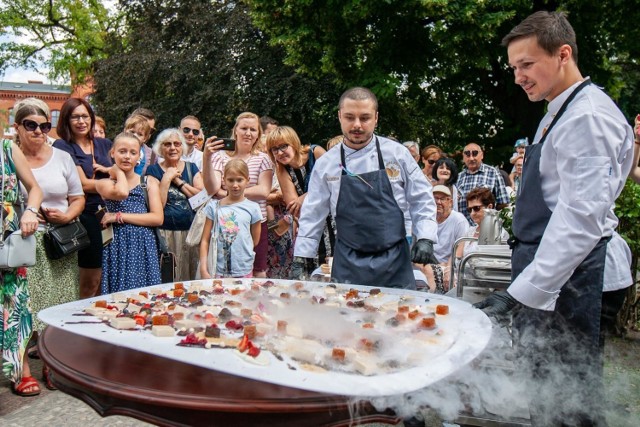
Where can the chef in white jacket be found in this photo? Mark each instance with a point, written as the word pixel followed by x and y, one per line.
pixel 368 183
pixel 572 174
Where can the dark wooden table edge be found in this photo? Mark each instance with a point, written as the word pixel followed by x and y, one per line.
pixel 108 403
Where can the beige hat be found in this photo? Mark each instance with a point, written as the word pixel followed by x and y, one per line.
pixel 442 189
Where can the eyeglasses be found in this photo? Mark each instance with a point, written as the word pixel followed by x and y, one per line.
pixel 169 144
pixel 431 162
pixel 196 132
pixel 475 208
pixel 471 153
pixel 82 117
pixel 441 199
pixel 279 149
pixel 31 126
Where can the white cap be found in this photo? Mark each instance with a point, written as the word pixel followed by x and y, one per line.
pixel 442 189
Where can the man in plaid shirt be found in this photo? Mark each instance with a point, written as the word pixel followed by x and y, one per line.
pixel 477 174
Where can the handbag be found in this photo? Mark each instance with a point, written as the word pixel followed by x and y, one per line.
pixel 63 240
pixel 197 225
pixel 15 251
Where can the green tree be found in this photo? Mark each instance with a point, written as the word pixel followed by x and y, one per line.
pixel 206 58
pixel 438 66
pixel 66 36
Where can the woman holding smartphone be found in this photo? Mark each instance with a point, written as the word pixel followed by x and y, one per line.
pixel 246 133
pixel 91 157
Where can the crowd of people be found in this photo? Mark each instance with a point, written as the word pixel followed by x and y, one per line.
pixel 275 207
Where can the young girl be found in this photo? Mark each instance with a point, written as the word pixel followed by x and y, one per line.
pixel 131 259
pixel 238 223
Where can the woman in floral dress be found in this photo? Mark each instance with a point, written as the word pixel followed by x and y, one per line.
pixel 15 314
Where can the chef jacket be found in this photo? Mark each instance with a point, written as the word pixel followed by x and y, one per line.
pixel 411 190
pixel 617 265
pixel 584 163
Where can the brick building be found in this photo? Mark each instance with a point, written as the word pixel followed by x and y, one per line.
pixel 53 95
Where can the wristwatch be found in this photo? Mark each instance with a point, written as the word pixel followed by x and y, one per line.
pixel 32 209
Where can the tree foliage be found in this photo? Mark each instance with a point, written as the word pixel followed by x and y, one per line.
pixel 438 66
pixel 207 59
pixel 65 36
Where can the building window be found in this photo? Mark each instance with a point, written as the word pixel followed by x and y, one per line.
pixel 11 117
pixel 55 115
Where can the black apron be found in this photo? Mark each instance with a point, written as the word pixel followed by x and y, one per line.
pixel 558 348
pixel 371 248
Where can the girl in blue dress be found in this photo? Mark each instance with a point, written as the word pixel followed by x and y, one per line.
pixel 131 259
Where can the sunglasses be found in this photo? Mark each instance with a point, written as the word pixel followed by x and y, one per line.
pixel 279 149
pixel 471 153
pixel 169 144
pixel 31 126
pixel 431 162
pixel 475 208
pixel 196 132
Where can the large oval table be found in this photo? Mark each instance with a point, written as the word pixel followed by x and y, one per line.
pixel 116 380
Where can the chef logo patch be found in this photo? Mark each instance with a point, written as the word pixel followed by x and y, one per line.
pixel 393 171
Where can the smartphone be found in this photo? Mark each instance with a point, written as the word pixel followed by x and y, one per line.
pixel 229 144
pixel 107 233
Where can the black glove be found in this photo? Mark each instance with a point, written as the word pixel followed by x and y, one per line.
pixel 422 252
pixel 498 303
pixel 298 269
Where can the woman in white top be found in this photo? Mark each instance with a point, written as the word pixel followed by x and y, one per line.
pixel 51 282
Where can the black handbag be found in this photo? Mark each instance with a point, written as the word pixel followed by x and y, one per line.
pixel 63 240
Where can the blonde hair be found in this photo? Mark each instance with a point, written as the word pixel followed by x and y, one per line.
pixel 334 141
pixel 100 122
pixel 138 120
pixel 286 135
pixel 255 149
pixel 237 166
pixel 124 135
pixel 430 150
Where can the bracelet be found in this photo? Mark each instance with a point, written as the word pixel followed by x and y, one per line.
pixel 119 219
pixel 181 185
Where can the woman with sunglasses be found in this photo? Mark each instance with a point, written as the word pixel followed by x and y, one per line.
pixel 445 172
pixel 294 163
pixel 91 157
pixel 478 199
pixel 62 203
pixel 178 181
pixel 430 155
pixel 15 313
pixel 246 133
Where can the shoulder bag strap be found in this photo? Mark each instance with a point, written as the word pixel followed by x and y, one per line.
pixel 187 166
pixel 162 244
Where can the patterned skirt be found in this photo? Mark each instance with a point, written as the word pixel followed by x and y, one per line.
pixel 51 282
pixel 186 257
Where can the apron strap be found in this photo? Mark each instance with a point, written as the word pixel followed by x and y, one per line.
pixel 380 160
pixel 564 106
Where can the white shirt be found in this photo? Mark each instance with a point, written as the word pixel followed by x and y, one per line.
pixel 410 188
pixel 58 179
pixel 449 230
pixel 194 157
pixel 584 163
pixel 617 266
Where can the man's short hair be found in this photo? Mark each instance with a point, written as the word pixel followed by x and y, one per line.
pixel 551 29
pixel 266 120
pixel 410 144
pixel 145 112
pixel 358 94
pixel 190 118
